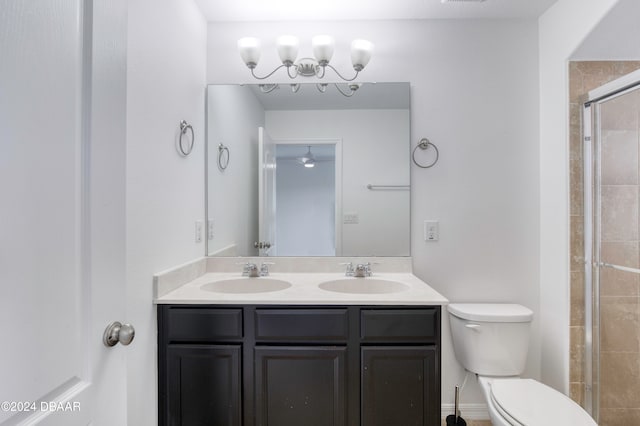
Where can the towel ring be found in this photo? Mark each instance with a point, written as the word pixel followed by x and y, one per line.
pixel 223 164
pixel 184 126
pixel 425 144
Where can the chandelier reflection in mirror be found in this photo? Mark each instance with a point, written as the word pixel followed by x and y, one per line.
pixel 349 91
pixel 323 47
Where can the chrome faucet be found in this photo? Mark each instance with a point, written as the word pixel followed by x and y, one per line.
pixel 252 270
pixel 360 270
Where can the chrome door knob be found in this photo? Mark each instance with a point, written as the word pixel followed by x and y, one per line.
pixel 118 332
pixel 262 244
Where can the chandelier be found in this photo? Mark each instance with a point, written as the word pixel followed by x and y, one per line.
pixel 348 91
pixel 323 47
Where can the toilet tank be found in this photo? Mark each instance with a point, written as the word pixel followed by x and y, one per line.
pixel 491 339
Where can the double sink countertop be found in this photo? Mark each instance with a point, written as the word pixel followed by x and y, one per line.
pixel 294 281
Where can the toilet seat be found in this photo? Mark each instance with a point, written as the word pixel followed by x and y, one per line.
pixel 531 403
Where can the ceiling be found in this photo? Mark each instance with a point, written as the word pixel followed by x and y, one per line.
pixel 323 10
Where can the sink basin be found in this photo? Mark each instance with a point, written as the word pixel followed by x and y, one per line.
pixel 363 286
pixel 246 285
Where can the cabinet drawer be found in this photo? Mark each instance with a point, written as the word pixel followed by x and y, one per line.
pixel 203 324
pixel 302 325
pixel 400 325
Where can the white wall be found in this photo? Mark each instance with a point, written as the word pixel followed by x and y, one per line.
pixel 562 28
pixel 234 115
pixel 374 151
pixel 474 94
pixel 615 37
pixel 165 84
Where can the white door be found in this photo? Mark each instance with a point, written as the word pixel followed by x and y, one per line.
pixel 62 260
pixel 266 194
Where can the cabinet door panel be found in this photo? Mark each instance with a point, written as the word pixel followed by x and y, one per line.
pixel 300 386
pixel 400 386
pixel 204 385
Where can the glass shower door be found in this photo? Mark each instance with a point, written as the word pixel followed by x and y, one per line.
pixel 612 251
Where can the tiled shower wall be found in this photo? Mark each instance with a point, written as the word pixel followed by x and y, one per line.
pixel 620 308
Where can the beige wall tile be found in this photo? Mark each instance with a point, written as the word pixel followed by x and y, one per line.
pixel 576 392
pixel 620 283
pixel 620 157
pixel 620 113
pixel 619 213
pixel 577 243
pixel 619 380
pixel 576 358
pixel 577 298
pixel 619 417
pixel 619 325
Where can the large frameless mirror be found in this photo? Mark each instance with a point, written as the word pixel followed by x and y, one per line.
pixel 308 170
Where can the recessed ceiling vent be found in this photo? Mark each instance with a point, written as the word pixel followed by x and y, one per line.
pixel 462 1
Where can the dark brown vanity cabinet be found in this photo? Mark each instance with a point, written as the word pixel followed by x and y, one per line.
pixel 298 365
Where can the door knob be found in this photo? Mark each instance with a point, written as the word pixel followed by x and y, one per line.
pixel 118 332
pixel 262 244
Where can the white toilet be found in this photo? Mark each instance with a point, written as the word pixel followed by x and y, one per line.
pixel 492 340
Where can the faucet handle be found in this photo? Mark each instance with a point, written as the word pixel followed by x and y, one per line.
pixel 264 268
pixel 349 272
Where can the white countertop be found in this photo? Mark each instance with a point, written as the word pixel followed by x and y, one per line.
pixel 305 291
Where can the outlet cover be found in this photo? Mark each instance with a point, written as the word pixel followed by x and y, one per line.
pixel 431 230
pixel 350 218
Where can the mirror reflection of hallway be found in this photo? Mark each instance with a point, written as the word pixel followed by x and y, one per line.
pixel 306 199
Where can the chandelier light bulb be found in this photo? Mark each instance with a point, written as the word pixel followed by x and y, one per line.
pixel 249 48
pixel 323 46
pixel 287 49
pixel 361 51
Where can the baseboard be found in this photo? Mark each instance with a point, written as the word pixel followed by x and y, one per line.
pixel 467 411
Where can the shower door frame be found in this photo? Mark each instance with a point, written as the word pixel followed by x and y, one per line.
pixel 592 230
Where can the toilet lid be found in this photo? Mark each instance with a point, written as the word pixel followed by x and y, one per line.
pixel 491 312
pixel 533 404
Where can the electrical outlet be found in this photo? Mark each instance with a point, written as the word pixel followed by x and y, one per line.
pixel 431 230
pixel 198 231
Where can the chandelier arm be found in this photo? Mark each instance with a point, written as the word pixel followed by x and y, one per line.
pixel 340 75
pixel 266 76
pixel 269 89
pixel 295 67
pixel 347 94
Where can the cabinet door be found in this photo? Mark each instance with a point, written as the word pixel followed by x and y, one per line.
pixel 203 385
pixel 300 386
pixel 400 386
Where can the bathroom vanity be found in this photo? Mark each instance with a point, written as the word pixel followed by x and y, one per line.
pixel 300 355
